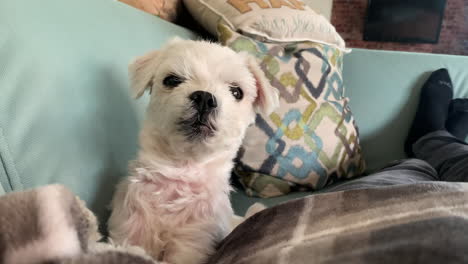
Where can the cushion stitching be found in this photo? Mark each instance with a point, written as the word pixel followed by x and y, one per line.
pixel 8 164
pixel 2 162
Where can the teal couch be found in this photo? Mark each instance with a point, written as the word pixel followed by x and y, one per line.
pixel 66 115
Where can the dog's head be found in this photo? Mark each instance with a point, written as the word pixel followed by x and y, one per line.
pixel 203 96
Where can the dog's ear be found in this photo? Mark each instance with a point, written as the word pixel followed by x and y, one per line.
pixel 267 96
pixel 141 73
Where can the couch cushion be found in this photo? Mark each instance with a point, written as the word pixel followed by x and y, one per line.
pixel 383 87
pixel 65 111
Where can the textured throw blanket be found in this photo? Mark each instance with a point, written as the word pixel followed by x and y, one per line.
pixel 419 223
pixel 51 225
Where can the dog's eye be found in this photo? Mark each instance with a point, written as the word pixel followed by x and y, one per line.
pixel 172 81
pixel 236 92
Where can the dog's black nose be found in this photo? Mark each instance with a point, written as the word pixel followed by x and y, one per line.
pixel 203 101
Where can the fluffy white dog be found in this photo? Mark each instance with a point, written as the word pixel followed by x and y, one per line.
pixel 176 202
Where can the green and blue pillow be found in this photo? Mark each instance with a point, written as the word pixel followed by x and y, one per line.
pixel 311 140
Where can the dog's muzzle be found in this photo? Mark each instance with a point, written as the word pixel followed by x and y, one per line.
pixel 200 124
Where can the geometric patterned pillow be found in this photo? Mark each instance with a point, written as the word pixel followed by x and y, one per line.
pixel 311 140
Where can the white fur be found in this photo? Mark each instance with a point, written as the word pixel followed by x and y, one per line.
pixel 175 204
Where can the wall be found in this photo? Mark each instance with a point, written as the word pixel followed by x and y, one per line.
pixel 348 18
pixel 323 7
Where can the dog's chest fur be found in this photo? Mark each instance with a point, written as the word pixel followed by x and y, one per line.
pixel 192 193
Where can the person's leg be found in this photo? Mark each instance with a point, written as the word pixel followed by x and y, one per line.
pixel 438 122
pixel 433 108
pixel 400 172
pixel 457 122
pixel 438 154
pixel 431 115
pixel 446 153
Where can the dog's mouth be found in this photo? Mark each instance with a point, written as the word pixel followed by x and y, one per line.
pixel 198 127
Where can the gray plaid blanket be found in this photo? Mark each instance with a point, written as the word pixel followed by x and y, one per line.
pixel 51 225
pixel 418 223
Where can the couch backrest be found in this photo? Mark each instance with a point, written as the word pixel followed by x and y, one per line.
pixel 384 87
pixel 66 114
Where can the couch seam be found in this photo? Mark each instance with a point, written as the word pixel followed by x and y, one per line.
pixel 6 174
pixel 9 165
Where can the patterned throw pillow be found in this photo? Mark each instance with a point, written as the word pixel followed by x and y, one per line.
pixel 311 140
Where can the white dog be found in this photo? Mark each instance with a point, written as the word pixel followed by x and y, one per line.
pixel 176 202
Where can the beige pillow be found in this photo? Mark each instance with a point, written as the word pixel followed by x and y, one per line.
pixel 165 9
pixel 266 20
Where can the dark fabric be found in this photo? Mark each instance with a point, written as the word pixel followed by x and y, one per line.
pixel 403 214
pixel 457 122
pixel 447 154
pixel 413 223
pixel 400 172
pixel 433 107
pixel 439 157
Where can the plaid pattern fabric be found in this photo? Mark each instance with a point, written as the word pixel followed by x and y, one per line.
pixel 311 139
pixel 418 223
pixel 26 235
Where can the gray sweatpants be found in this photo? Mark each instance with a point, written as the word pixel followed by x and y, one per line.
pixel 439 156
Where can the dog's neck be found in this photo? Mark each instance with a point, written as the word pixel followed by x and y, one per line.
pixel 215 172
pixel 159 150
pixel 157 155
